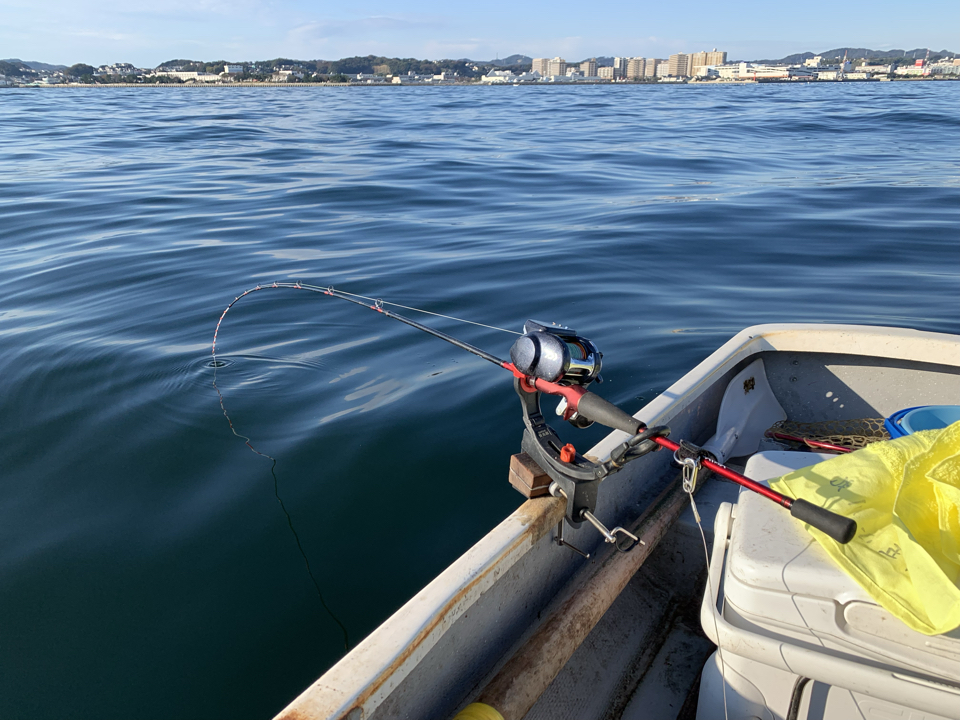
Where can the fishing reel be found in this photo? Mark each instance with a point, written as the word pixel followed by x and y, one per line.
pixel 556 354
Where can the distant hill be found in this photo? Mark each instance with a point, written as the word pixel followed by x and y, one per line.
pixel 34 65
pixel 858 53
pixel 14 68
pixel 509 60
pixel 500 62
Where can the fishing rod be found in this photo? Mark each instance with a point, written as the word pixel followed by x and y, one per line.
pixel 554 360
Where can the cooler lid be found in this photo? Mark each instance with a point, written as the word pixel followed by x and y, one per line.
pixel 770 550
pixel 779 576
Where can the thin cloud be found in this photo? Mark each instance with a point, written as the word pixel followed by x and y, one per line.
pixel 325 29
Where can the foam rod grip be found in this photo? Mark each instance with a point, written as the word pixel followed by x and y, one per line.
pixel 840 528
pixel 593 407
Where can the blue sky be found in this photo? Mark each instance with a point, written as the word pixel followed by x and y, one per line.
pixel 106 31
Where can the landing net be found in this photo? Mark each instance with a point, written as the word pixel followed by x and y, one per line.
pixel 853 434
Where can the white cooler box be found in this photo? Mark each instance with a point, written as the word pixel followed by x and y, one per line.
pixel 789 613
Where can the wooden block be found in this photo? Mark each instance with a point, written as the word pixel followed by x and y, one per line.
pixel 527 477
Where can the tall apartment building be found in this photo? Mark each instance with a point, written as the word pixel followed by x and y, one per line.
pixel 619 67
pixel 557 66
pixel 605 72
pixel 540 65
pixel 696 61
pixel 650 67
pixel 716 57
pixel 678 65
pixel 589 67
pixel 635 68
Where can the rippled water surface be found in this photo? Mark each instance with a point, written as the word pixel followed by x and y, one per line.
pixel 147 568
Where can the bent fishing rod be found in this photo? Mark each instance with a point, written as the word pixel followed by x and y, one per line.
pixel 554 360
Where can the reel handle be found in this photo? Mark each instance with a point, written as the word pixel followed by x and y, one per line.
pixel 595 408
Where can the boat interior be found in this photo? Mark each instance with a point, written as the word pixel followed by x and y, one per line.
pixel 646 656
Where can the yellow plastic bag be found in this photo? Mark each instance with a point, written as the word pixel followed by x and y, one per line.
pixel 905 496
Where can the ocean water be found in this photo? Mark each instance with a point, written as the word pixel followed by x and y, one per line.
pixel 151 564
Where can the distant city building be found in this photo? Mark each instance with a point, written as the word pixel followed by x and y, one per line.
pixel 663 69
pixel 124 69
pixel 619 67
pixel 233 69
pixel 498 77
pixel 369 78
pixel 605 73
pixel 696 61
pixel 650 67
pixel 541 65
pixel 528 77
pixel 557 66
pixel 635 68
pixel 944 67
pixel 717 57
pixel 749 71
pixel 678 65
pixel 287 76
pixel 187 76
pixel 589 67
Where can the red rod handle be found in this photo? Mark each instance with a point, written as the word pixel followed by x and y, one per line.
pixel 732 475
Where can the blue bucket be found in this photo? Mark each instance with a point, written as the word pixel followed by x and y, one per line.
pixel 925 417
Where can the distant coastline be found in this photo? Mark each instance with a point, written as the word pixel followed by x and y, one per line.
pixel 273 85
pixel 703 67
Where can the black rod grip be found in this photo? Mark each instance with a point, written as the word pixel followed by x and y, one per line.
pixel 593 407
pixel 840 528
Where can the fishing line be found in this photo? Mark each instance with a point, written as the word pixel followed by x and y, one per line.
pixel 373 304
pixel 276 492
pixel 691 468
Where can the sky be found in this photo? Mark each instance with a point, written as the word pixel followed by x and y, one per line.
pixel 146 34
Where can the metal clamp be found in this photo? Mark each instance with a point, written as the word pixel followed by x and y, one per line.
pixel 561 542
pixel 627 540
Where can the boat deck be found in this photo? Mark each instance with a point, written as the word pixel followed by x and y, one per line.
pixel 643 659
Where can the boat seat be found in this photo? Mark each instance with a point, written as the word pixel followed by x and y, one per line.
pixel 771 464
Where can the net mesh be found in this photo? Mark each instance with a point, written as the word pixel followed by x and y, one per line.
pixel 853 434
